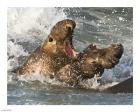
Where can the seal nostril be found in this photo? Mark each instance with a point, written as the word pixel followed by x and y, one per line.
pixel 68 28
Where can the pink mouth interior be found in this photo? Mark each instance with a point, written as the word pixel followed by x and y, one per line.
pixel 70 51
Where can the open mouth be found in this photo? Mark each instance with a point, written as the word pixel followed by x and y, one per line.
pixel 91 47
pixel 71 52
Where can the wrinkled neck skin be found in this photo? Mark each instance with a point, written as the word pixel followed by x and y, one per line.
pixel 57 55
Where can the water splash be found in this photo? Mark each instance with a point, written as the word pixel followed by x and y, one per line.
pixel 32 25
pixel 24 20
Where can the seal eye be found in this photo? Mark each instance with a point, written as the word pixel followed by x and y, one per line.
pixel 50 39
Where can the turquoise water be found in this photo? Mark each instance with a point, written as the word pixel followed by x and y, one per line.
pixel 28 27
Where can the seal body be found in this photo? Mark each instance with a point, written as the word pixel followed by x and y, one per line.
pixel 92 61
pixel 44 63
pixel 57 58
pixel 56 51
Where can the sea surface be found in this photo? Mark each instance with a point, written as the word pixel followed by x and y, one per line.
pixel 29 27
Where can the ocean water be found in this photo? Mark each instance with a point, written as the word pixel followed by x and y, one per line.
pixel 29 27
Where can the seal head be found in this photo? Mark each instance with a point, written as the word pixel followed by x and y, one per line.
pixel 55 52
pixel 91 62
pixel 60 39
pixel 95 60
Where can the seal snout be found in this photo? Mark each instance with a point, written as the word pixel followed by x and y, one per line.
pixel 70 27
pixel 70 23
pixel 112 55
pixel 117 50
pixel 60 38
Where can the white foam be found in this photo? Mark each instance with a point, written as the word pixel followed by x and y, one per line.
pixel 107 85
pixel 21 20
pixel 16 50
pixel 25 23
pixel 38 77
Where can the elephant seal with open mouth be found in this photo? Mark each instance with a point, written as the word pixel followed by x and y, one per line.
pixel 92 61
pixel 56 51
pixel 57 58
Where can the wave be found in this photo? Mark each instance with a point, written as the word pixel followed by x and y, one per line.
pixel 28 27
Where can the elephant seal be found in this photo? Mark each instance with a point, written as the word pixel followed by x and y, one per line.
pixel 92 61
pixel 56 51
pixel 57 58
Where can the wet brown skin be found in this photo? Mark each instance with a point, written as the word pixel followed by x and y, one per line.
pixel 56 52
pixel 91 62
pixel 56 57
